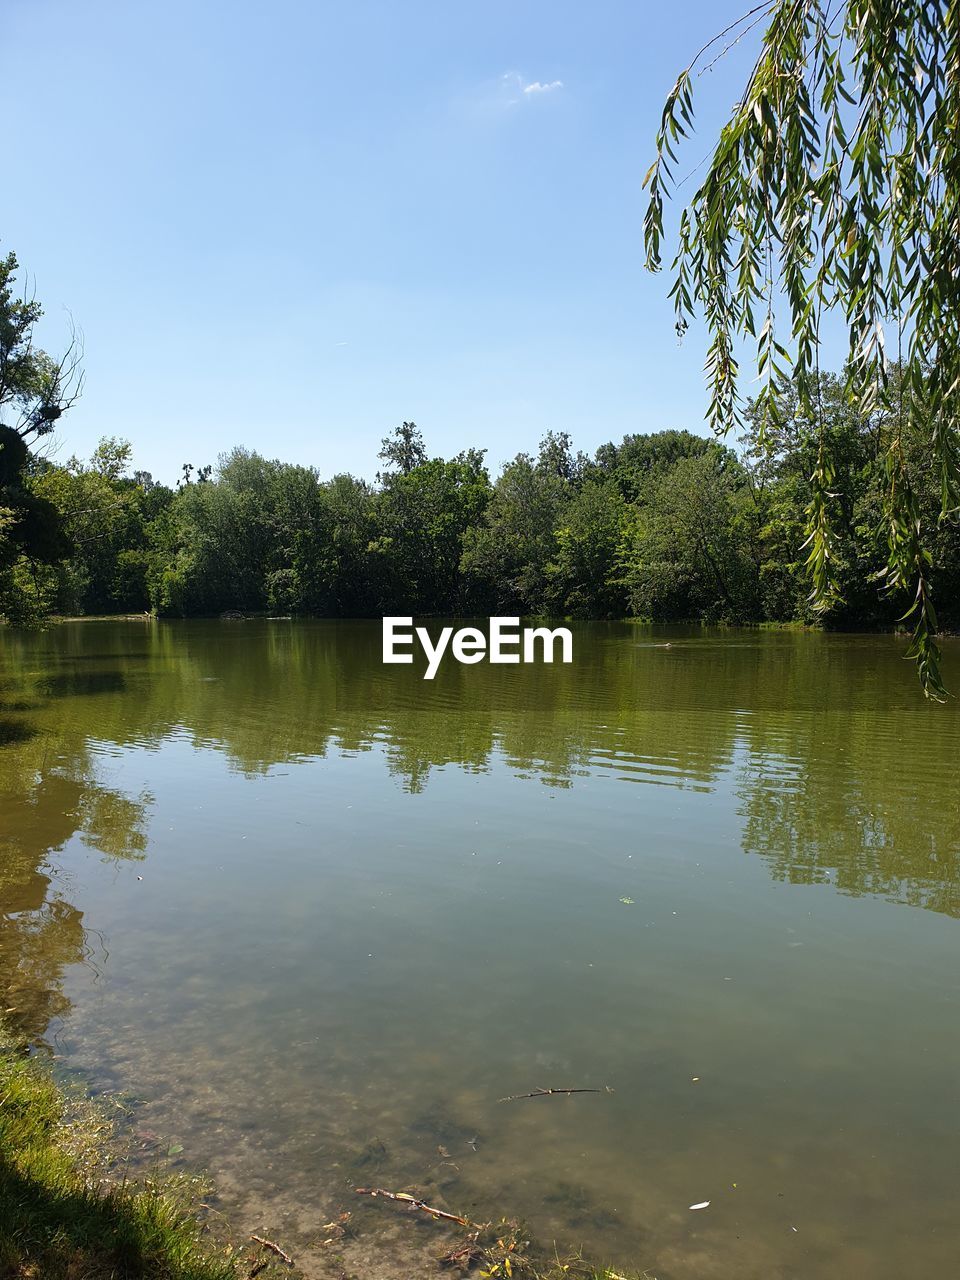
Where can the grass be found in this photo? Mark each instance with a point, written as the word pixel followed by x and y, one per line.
pixel 62 1218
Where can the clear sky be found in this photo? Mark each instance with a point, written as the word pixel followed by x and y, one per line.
pixel 293 225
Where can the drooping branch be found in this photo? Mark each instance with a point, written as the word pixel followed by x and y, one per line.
pixel 834 186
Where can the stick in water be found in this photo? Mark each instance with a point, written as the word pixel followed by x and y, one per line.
pixel 414 1203
pixel 545 1093
pixel 274 1248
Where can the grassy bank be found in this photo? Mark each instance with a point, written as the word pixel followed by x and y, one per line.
pixel 62 1217
pixel 68 1213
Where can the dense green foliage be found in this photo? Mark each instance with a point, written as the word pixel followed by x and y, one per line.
pixel 834 188
pixel 35 390
pixel 669 526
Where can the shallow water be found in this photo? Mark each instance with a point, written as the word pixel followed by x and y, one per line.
pixel 314 917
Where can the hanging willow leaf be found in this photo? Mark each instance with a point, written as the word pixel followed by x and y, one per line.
pixel 834 187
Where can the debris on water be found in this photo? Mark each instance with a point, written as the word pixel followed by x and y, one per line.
pixel 545 1093
pixel 627 902
pixel 274 1248
pixel 404 1197
pixel 704 1204
pixel 337 1230
pixel 465 1255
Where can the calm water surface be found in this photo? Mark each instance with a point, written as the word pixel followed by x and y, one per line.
pixel 314 916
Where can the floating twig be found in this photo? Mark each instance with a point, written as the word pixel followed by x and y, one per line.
pixel 274 1248
pixel 414 1203
pixel 546 1093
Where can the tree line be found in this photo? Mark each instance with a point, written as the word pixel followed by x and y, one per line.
pixel 667 526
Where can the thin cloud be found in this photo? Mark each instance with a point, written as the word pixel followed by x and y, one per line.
pixel 515 88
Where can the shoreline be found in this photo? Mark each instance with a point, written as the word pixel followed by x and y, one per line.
pixel 74 1201
pixel 629 620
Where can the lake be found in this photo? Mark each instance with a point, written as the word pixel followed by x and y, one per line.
pixel 312 917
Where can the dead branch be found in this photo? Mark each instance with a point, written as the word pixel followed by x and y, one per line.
pixel 414 1203
pixel 546 1093
pixel 274 1248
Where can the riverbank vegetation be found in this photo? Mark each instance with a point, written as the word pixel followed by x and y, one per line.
pixel 63 1217
pixel 668 526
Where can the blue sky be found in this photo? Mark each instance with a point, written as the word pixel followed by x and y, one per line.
pixel 292 226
